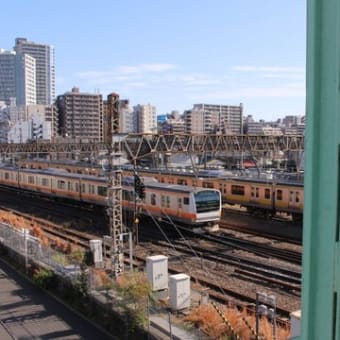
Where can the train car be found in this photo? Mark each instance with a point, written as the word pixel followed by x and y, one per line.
pixel 71 166
pixel 189 205
pixel 264 196
pixel 57 183
pixel 259 195
pixel 192 206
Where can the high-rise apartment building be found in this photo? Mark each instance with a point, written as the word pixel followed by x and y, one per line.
pixel 7 75
pixel 17 78
pixel 125 116
pixel 80 115
pixel 45 68
pixel 209 118
pixel 144 118
pixel 25 80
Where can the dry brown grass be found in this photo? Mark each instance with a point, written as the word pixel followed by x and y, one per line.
pixel 210 322
pixel 101 279
pixel 15 221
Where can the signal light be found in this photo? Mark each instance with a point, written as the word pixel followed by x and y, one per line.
pixel 139 187
pixel 141 190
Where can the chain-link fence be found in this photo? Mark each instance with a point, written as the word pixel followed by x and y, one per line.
pixel 30 248
pixel 100 284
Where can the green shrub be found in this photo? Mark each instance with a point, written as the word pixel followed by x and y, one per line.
pixel 44 278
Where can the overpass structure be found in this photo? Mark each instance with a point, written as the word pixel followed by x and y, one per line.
pixel 139 146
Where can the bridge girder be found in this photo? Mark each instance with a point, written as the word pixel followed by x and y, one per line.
pixel 138 146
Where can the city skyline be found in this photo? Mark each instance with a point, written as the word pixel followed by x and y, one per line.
pixel 174 55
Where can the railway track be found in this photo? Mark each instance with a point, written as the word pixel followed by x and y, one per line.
pixel 274 230
pixel 81 239
pixel 288 279
pixel 261 249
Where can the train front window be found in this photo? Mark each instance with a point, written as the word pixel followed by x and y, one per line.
pixel 207 201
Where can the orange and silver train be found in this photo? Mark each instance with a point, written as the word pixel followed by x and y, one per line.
pixel 281 193
pixel 192 206
pixel 264 195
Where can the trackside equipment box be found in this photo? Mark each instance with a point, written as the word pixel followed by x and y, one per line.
pixel 157 272
pixel 179 291
pixel 96 247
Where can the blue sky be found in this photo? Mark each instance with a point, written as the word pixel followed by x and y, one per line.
pixel 173 53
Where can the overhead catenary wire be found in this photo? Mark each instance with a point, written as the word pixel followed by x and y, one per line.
pixel 187 243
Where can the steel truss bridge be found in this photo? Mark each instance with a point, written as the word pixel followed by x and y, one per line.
pixel 139 146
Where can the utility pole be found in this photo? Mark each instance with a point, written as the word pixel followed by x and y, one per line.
pixel 115 207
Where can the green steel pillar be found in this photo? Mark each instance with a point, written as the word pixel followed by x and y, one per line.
pixel 321 265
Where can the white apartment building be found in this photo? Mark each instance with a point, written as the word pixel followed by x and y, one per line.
pixel 45 68
pixel 25 80
pixel 17 78
pixel 125 117
pixel 30 130
pixel 210 118
pixel 145 118
pixel 31 122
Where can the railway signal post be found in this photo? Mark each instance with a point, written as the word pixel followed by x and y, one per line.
pixel 115 207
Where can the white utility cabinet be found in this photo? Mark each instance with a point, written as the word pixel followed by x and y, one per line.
pixel 179 291
pixel 96 247
pixel 157 271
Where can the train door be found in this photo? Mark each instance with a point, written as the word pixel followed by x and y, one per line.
pixel 294 200
pixel 254 194
pixel 179 207
pixel 280 201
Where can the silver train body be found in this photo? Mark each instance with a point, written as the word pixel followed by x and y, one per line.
pixel 192 206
